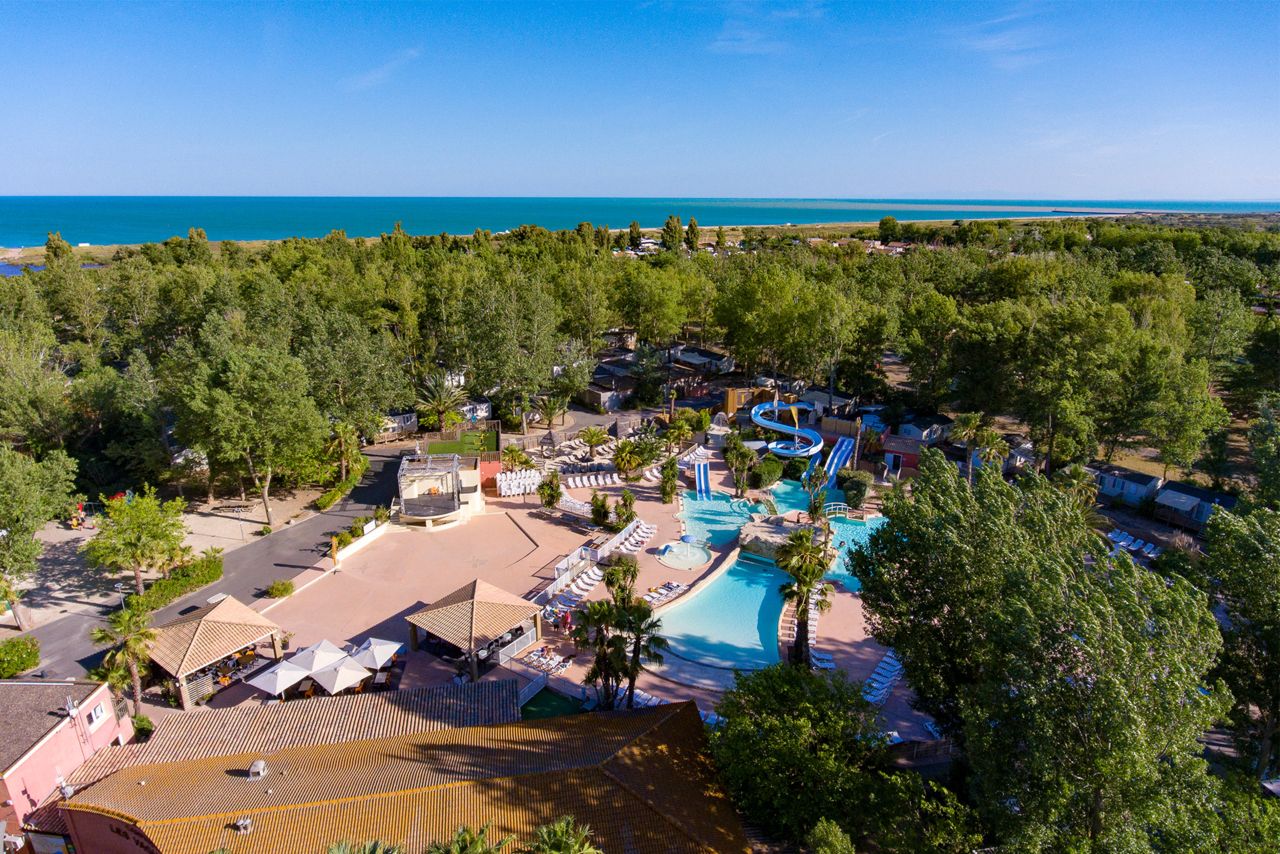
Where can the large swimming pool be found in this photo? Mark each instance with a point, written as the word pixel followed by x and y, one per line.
pixel 733 622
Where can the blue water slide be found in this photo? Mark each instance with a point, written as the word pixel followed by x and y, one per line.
pixel 807 441
pixel 702 480
pixel 838 459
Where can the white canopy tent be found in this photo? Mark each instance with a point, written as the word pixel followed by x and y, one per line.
pixel 340 675
pixel 277 679
pixel 374 653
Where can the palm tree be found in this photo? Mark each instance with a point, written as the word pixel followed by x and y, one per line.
pixel 117 678
pixel 806 562
pixel 129 633
pixel 563 836
pixel 1078 483
pixel 815 485
pixel 515 458
pixel 593 437
pixel 646 644
pixel 468 841
pixel 626 457
pixel 439 397
pixel 966 429
pixel 594 629
pixel 549 407
pixel 677 434
pixel 372 847
pixel 992 448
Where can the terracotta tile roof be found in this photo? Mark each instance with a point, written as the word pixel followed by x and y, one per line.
pixel 640 779
pixel 48 818
pixel 473 615
pixel 206 635
pixel 31 710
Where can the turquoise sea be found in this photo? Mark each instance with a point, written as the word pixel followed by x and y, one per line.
pixel 26 220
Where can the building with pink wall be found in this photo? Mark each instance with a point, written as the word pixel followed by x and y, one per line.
pixel 48 729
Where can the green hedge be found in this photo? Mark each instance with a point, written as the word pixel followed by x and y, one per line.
pixel 204 570
pixel 795 468
pixel 856 485
pixel 767 472
pixel 339 491
pixel 17 656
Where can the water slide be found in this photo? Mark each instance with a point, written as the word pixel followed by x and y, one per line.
pixel 702 480
pixel 839 458
pixel 807 441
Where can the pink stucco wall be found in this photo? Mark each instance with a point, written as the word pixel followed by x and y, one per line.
pixel 34 777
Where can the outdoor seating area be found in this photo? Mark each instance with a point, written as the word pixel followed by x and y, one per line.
pixel 593 481
pixel 1137 548
pixel 664 594
pixel 523 482
pixel 638 538
pixel 548 661
pixel 573 595
pixel 325 668
pixel 790 626
pixel 476 627
pixel 880 683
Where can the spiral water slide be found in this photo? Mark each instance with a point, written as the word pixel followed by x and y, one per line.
pixel 807 442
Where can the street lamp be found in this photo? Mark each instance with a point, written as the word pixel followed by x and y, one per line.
pixel 119 585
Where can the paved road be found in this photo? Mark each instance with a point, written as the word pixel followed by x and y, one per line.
pixel 65 649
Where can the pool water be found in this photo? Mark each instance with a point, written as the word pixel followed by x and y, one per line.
pixel 790 495
pixel 548 704
pixel 733 621
pixel 680 555
pixel 716 520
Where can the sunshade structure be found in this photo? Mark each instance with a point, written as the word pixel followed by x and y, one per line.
pixel 376 652
pixel 186 646
pixel 277 679
pixel 340 675
pixel 474 618
pixel 318 656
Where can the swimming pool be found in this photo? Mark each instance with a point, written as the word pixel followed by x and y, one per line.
pixel 716 520
pixel 733 621
pixel 845 533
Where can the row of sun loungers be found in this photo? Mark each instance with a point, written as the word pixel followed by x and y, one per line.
pixel 593 481
pixel 880 683
pixel 547 661
pixel 518 482
pixel 643 534
pixel 791 625
pixel 644 699
pixel 574 506
pixel 572 596
pixel 1133 545
pixel 661 595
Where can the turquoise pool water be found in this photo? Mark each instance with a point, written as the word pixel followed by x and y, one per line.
pixel 733 623
pixel 790 495
pixel 716 520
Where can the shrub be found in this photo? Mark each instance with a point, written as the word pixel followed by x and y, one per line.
pixel 264 530
pixel 202 571
pixel 332 496
pixel 795 468
pixel 143 726
pixel 280 588
pixel 856 487
pixel 767 472
pixel 827 838
pixel 345 539
pixel 357 526
pixel 18 655
pixel 381 514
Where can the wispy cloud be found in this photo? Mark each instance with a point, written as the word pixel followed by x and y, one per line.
pixel 1009 42
pixel 756 29
pixel 382 73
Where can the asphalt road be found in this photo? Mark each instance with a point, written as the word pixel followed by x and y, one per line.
pixel 65 648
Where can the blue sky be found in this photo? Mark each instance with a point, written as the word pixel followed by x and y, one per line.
pixel 1085 100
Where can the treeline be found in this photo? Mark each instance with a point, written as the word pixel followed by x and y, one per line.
pixel 1096 334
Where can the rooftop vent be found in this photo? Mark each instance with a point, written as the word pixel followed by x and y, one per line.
pixel 258 769
pixel 243 825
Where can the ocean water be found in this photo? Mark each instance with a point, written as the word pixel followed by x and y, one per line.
pixel 104 220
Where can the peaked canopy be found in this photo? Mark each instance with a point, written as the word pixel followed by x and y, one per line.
pixel 474 615
pixel 318 656
pixel 275 680
pixel 340 675
pixel 207 635
pixel 375 652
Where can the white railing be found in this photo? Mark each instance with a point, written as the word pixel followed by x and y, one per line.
pixel 600 554
pixel 567 571
pixel 532 687
pixel 517 646
pixel 838 509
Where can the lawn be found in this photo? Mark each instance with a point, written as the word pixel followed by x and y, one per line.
pixel 471 442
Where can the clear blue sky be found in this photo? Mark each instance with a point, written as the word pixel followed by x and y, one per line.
pixel 1156 100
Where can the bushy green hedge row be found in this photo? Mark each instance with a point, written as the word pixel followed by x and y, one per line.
pixel 767 472
pixel 339 491
pixel 18 655
pixel 204 570
pixel 795 468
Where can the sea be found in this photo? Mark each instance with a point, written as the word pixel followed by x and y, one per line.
pixel 109 220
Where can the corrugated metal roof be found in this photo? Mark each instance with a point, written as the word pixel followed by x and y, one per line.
pixel 640 779
pixel 204 636
pixel 474 615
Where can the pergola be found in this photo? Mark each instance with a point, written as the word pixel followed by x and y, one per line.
pixel 476 618
pixel 429 485
pixel 193 643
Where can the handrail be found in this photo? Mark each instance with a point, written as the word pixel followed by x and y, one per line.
pixel 837 508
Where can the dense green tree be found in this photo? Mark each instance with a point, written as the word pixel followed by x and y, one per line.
pixel 928 327
pixel 138 533
pixel 634 235
pixel 1264 443
pixel 889 229
pixel 129 634
pixel 34 493
pixel 672 234
pixel 691 235
pixel 1241 559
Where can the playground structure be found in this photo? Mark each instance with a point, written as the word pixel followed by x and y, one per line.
pixel 807 442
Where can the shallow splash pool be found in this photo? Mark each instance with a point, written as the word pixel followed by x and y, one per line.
pixel 716 520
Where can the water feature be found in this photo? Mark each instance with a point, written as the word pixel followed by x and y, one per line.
pixel 684 555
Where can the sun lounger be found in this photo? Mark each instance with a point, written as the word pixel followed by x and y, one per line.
pixel 1136 546
pixel 1148 549
pixel 1124 539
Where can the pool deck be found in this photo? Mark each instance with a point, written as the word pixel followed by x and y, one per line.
pixel 515 545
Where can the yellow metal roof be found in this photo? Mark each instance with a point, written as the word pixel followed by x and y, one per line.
pixel 473 615
pixel 639 779
pixel 207 635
